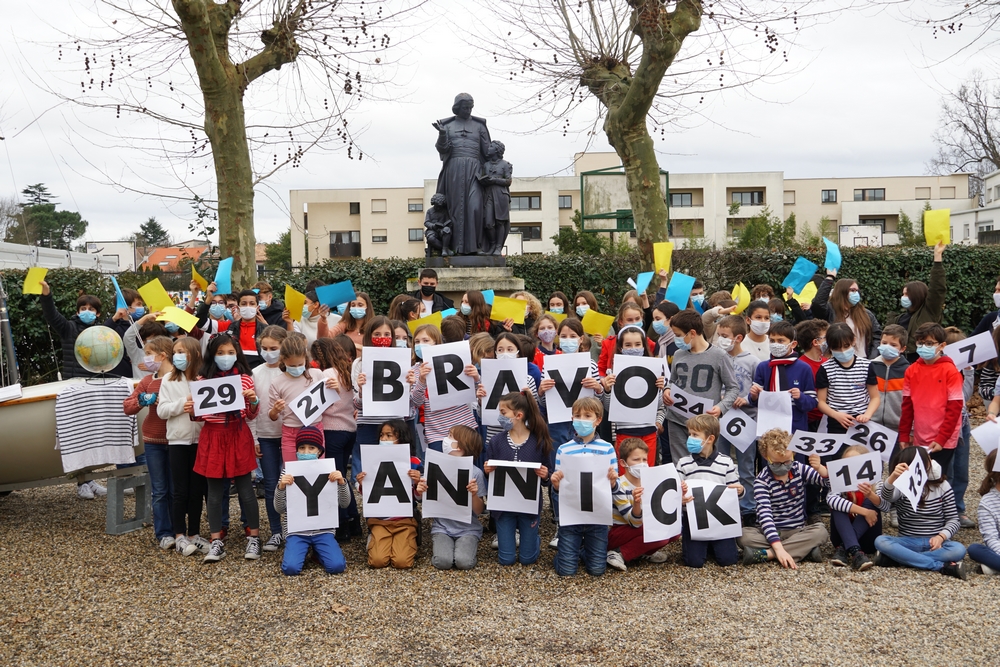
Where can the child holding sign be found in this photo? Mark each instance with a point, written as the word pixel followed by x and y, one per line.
pixel 988 553
pixel 225 447
pixel 785 372
pixel 631 341
pixel 625 539
pixel 309 446
pixel 268 432
pixel 925 531
pixel 525 438
pixel 507 346
pixel 855 519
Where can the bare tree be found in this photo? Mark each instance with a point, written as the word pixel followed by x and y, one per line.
pixel 10 216
pixel 968 139
pixel 181 71
pixel 628 56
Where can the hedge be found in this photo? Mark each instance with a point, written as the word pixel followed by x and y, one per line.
pixel 881 273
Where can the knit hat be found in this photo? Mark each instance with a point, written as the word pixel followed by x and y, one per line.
pixel 310 435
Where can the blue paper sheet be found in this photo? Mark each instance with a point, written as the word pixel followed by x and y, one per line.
pixel 223 276
pixel 336 294
pixel 449 312
pixel 802 272
pixel 642 282
pixel 120 298
pixel 679 289
pixel 488 295
pixel 833 256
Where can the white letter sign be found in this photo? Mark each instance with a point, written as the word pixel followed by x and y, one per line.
pixel 635 396
pixel 386 393
pixel 312 501
pixel 585 491
pixel 714 514
pixel 774 410
pixel 310 405
pixel 447 478
pixel 568 371
pixel 661 503
pixel 972 351
pixel 514 487
pixel 212 397
pixel 447 384
pixel 846 474
pixel 501 377
pixel 387 491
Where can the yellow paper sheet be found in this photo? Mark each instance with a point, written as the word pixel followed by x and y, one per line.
pixel 558 317
pixel 506 308
pixel 433 318
pixel 294 301
pixel 741 295
pixel 597 324
pixel 662 254
pixel 807 294
pixel 33 281
pixel 202 283
pixel 155 297
pixel 937 226
pixel 180 317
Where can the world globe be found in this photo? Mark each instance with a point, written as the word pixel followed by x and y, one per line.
pixel 99 349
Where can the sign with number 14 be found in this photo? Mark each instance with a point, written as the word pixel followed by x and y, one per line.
pixel 217 395
pixel 846 474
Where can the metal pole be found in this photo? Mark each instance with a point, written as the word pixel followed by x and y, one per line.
pixel 8 337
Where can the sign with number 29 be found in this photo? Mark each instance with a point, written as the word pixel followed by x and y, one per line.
pixel 218 395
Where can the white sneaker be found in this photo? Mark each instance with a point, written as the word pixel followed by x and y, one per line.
pixel 184 546
pixel 201 544
pixel 554 542
pixel 659 556
pixel 167 542
pixel 616 561
pixel 495 544
pixel 987 569
pixel 84 491
pixel 98 489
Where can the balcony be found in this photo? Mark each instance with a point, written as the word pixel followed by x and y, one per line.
pixel 345 250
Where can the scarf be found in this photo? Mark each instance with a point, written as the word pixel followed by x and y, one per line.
pixel 779 368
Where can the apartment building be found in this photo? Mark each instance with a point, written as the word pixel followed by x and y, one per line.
pixel 980 225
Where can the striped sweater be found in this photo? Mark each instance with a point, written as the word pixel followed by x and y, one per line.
pixel 782 505
pixel 989 520
pixel 935 514
pixel 437 423
pixel 621 497
pixel 578 446
pixel 716 468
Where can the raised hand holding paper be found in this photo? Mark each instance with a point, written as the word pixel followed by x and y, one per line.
pixel 155 297
pixel 294 301
pixel 679 289
pixel 180 317
pixel 507 309
pixel 197 277
pixel 223 276
pixel 33 280
pixel 662 254
pixel 336 294
pixel 312 501
pixel 833 258
pixel 802 272
pixel 642 282
pixel 661 511
pixel 937 226
pixel 742 297
pixel 597 324
pixel 119 297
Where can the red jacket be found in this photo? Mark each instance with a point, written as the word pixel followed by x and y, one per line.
pixel 932 404
pixel 607 358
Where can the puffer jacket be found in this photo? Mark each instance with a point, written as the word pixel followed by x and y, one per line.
pixel 67 330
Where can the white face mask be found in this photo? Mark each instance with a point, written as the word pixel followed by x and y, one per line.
pixel 996 299
pixel 448 444
pixel 506 355
pixel 759 328
pixel 725 344
pixel 636 470
pixel 248 312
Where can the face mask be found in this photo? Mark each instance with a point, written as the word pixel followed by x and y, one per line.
pixel 403 343
pixel 418 350
pixel 725 344
pixel 682 345
pixel 780 469
pixel 171 327
pixel 660 327
pixel 341 308
pixel 87 316
pixel 387 442
pixel 264 304
pixel 527 311
pixel 996 299
pixel 228 314
pixel 217 310
pixel 888 352
pixel 448 444
pixel 506 423
pixel 466 309
pixel 844 356
pixel 569 345
pixel 854 298
pixel 694 444
pixel 927 352
pixel 759 328
pixel 248 312
pixel 427 290
pixel 636 470
pixel 295 371
pixel 225 361
pixel 583 427
pixel 547 335
pixel 382 342
pixel 270 356
pixel 698 299
pixel 905 302
pixel 306 313
pixel 358 313
pixel 778 349
pixel 559 310
pixel 582 310
pixel 506 355
pixel 180 361
pixel 632 352
pixel 138 312
pixel 151 364
pixel 302 456
pixel 823 346
pixel 775 317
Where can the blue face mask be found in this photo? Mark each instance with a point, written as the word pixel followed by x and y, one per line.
pixel 927 352
pixel 358 313
pixel 217 310
pixel 225 362
pixel 681 345
pixel 632 352
pixel 905 302
pixel 506 423
pixel 466 309
pixel 295 371
pixel 341 308
pixel 306 312
pixel 171 327
pixel 138 312
pixel 698 299
pixel 844 356
pixel 87 316
pixel 302 456
pixel 854 298
pixel 775 317
pixel 660 327
pixel 583 427
pixel 418 350
pixel 888 352
pixel 402 342
pixel 694 444
pixel 569 345
pixel 582 309
pixel 558 310
pixel 180 361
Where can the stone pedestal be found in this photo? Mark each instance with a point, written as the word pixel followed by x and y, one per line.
pixel 455 281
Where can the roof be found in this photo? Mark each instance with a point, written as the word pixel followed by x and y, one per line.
pixel 260 252
pixel 168 259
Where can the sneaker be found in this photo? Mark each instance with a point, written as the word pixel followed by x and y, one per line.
pixel 258 488
pixel 253 548
pixel 84 491
pixel 274 542
pixel 224 533
pixel 893 519
pixel 816 556
pixel 861 562
pixel 659 556
pixel 754 556
pixel 988 570
pixel 554 542
pixel 97 488
pixel 881 560
pixel 495 544
pixel 167 542
pixel 201 544
pixel 216 553
pixel 966 522
pixel 184 546
pixel 956 570
pixel 616 561
pixel 839 557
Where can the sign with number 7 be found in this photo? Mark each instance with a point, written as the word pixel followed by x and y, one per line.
pixel 972 351
pixel 313 402
pixel 217 395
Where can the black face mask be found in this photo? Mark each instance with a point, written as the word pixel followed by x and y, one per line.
pixel 427 290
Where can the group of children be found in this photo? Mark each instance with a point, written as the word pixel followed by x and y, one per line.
pixel 840 367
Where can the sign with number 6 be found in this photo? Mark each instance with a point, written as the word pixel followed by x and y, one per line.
pixel 218 395
pixel 846 474
pixel 875 437
pixel 808 443
pixel 313 402
pixel 738 429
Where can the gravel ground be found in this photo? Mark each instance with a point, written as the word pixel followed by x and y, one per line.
pixel 75 595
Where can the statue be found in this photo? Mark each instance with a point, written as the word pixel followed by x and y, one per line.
pixel 496 179
pixel 437 226
pixel 463 142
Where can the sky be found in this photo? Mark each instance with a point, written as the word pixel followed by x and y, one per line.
pixel 861 97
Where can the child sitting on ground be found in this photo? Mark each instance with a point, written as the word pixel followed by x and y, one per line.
pixel 855 519
pixel 309 445
pixel 987 554
pixel 781 533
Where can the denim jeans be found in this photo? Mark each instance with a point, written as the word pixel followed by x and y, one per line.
pixel 587 542
pixel 983 555
pixel 916 551
pixel 958 468
pixel 270 464
pixel 508 525
pixel 368 434
pixel 339 445
pixel 746 462
pixel 695 553
pixel 849 532
pixel 158 465
pixel 325 546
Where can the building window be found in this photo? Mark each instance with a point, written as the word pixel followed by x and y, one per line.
pixel 872 221
pixel 355 208
pixel 565 201
pixel 680 199
pixel 415 206
pixel 966 232
pixel 345 244
pixel 529 232
pixel 922 193
pixel 525 203
pixel 417 235
pixel 871 194
pixel 829 197
pixel 751 198
pixel 378 206
pixel 789 197
pixel 948 192
pixel 694 228
pixel 380 236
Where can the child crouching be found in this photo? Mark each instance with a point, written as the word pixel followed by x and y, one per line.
pixel 309 446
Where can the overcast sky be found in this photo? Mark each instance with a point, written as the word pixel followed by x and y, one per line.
pixel 864 102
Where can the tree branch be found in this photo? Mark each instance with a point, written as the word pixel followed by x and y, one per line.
pixel 196 21
pixel 280 46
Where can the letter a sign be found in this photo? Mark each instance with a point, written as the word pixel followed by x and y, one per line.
pixel 387 491
pixel 312 499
